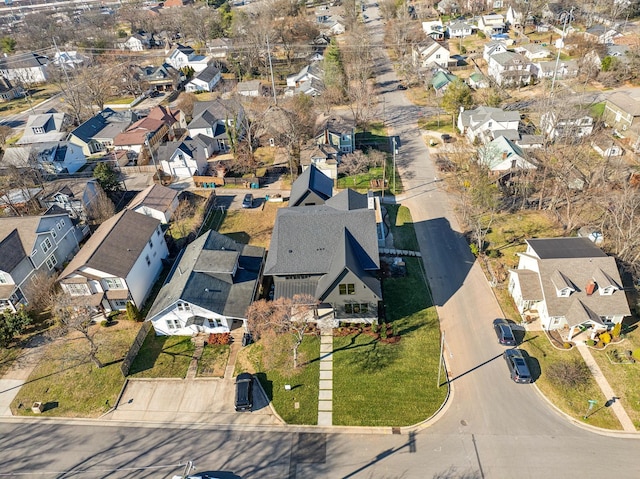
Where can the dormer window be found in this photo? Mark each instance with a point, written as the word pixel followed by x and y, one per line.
pixel 564 292
pixel 606 291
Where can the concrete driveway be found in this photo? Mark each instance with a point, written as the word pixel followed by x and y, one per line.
pixel 202 401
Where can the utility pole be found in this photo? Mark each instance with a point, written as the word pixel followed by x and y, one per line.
pixel 394 165
pixel 148 145
pixel 273 83
pixel 64 70
pixel 564 28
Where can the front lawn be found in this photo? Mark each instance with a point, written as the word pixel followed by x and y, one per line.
pixel 404 235
pixel 163 357
pixel 69 384
pixel 573 401
pixel 441 123
pixel 378 384
pixel 213 361
pixel 304 383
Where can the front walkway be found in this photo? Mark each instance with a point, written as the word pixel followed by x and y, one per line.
pixel 612 399
pixel 325 397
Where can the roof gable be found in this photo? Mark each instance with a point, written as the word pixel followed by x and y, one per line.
pixel 311 179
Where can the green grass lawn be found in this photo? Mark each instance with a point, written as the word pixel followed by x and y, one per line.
pixel 597 110
pixel 213 361
pixel 404 235
pixel 361 182
pixel 377 384
pixel 163 357
pixel 571 401
pixel 441 123
pixel 69 384
pixel 304 384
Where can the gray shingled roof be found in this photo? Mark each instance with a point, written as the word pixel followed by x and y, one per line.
pixel 348 200
pixel 116 244
pixel 564 248
pixel 529 285
pixel 208 73
pixel 305 239
pixel 215 273
pixel 156 197
pixel 311 179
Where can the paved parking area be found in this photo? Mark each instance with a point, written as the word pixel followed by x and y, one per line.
pixel 203 400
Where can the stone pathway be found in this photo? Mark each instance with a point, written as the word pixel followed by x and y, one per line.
pixel 236 346
pixel 325 399
pixel 198 340
pixel 616 407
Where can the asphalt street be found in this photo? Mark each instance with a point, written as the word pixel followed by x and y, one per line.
pixel 490 428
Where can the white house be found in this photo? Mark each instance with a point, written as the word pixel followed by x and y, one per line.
pixel 75 195
pixel 312 71
pixel 70 59
pixel 251 88
pixel 45 127
pixel 185 56
pixel 25 68
pixel 219 47
pixel 510 69
pixel 324 157
pixel 429 53
pixel 566 125
pixel 156 201
pixel 119 263
pixel 493 47
pixel 568 282
pixel 533 51
pixel 434 29
pixel 564 69
pixel 8 91
pixel 54 157
pixel 460 29
pixel 486 123
pixel 186 158
pixel 135 43
pixel 607 148
pixel 209 288
pixel 492 24
pixel 206 80
pixel 501 155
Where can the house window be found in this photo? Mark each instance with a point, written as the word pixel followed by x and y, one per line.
pixel 46 245
pixel 34 252
pixel 173 324
pixel 356 308
pixel 148 260
pixel 3 278
pixel 438 56
pixel 119 304
pixel 51 262
pixel 77 289
pixel 54 234
pixel 158 231
pixel 608 291
pixel 150 243
pixel 114 283
pixel 184 306
pixel 60 224
pixel 348 288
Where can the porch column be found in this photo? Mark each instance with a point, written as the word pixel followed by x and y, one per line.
pixel 571 330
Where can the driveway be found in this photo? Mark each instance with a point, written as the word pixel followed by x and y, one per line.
pixel 202 401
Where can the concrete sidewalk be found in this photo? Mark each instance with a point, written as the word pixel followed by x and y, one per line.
pixel 616 406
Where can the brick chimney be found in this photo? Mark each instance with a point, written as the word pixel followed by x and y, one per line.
pixel 591 287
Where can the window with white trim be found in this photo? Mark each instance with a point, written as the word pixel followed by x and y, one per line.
pixel 173 324
pixel 3 278
pixel 148 260
pixel 150 243
pixel 54 233
pixel 114 283
pixel 184 306
pixel 46 245
pixel 77 289
pixel 51 262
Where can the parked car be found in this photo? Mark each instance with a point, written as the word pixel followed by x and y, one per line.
pixel 517 366
pixel 401 87
pixel 247 202
pixel 446 138
pixel 504 332
pixel 244 392
pixel 246 339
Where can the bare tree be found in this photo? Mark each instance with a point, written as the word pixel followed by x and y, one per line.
pixel 284 316
pixel 100 209
pixel 40 291
pixel 352 164
pixel 6 132
pixel 71 314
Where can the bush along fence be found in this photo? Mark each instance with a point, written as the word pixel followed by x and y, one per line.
pixel 135 348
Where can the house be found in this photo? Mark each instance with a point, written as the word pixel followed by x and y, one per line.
pixel 330 252
pixel 601 34
pixel 19 201
pixel 219 47
pixel 493 47
pixel 74 195
pixel 339 133
pixel 184 56
pixel 528 142
pixel 97 133
pixel 136 43
pixel 429 53
pixel 25 69
pixel 336 25
pixel 448 7
pixel 213 118
pixel 492 24
pixel 146 132
pixel 119 263
pixel 156 201
pixel 477 80
pixel 251 88
pixel 460 29
pixel 312 71
pixel 502 155
pixel 8 91
pixel 45 127
pixel 186 158
pixel 607 147
pixel 485 123
pixel 622 112
pixel 212 285
pixel 312 188
pixel 54 157
pixel 310 87
pixel 206 80
pixel 323 157
pixel 441 81
pixel 568 282
pixel 159 78
pixel 31 246
pixel 533 51
pixel 557 13
pixel 566 125
pixel 434 29
pixel 562 69
pixel 70 59
pixel 510 69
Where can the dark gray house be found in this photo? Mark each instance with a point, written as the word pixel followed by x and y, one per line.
pixel 211 286
pixel 312 187
pixel 330 252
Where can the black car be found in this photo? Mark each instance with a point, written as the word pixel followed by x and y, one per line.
pixel 445 137
pixel 244 392
pixel 517 366
pixel 401 87
pixel 247 202
pixel 504 332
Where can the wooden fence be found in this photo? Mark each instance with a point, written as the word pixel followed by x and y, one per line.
pixel 135 348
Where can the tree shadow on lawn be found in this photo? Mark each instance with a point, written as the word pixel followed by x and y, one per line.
pixel 151 350
pixel 373 354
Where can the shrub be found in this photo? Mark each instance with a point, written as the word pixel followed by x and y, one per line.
pixel 566 345
pixel 590 342
pixel 615 332
pixel 374 327
pixel 605 338
pixel 463 49
pixel 383 332
pixel 599 345
pixel 494 253
pixel 112 315
pixel 219 338
pixel 636 354
pixel 394 329
pixel 481 35
pixel 569 374
pixel 133 313
pixel 474 249
pixel 104 323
